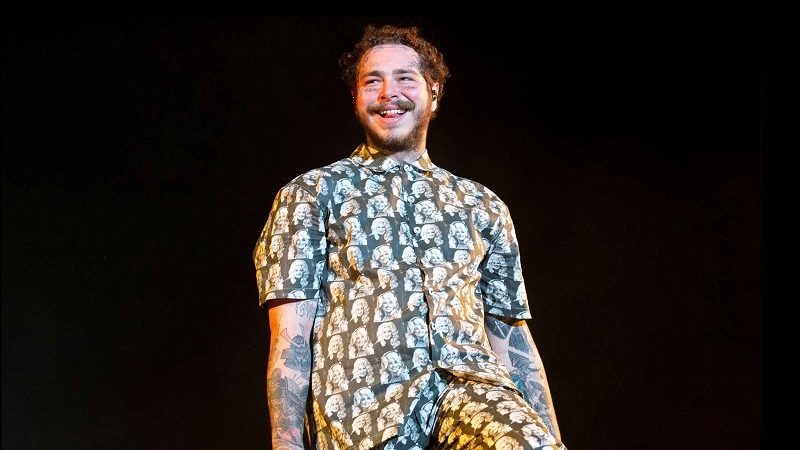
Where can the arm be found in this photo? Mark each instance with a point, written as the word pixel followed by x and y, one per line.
pixel 289 370
pixel 511 340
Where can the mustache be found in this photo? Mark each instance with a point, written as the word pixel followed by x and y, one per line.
pixel 402 104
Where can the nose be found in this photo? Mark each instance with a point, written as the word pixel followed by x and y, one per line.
pixel 390 90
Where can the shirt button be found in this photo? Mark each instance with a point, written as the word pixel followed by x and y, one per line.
pixel 407 168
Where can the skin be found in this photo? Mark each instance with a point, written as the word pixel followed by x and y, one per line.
pixel 389 77
pixel 512 341
pixel 287 387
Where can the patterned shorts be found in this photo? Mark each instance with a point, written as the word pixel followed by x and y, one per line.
pixel 474 415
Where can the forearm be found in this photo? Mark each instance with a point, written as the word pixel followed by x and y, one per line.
pixel 513 343
pixel 288 373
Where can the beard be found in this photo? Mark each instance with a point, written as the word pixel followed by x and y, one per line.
pixel 393 143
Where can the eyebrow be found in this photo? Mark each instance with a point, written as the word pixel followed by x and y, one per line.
pixel 377 73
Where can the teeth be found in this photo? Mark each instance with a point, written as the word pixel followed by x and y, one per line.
pixel 392 111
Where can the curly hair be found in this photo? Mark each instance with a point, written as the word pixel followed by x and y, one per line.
pixel 431 60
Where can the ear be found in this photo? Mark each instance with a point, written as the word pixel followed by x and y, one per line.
pixel 434 96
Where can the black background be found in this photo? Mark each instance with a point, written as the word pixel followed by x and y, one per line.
pixel 141 156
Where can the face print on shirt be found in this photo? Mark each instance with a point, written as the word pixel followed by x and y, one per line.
pixel 433 257
pixel 409 257
pixel 338 271
pixel 298 273
pixel 416 302
pixel 382 248
pixel 386 279
pixel 337 382
pixel 372 187
pixel 388 337
pixel 302 215
pixel 421 359
pixel 276 247
pixel 459 237
pixel 335 407
pixel 338 322
pixel 350 208
pixel 381 230
pixel 379 206
pixel 360 312
pixel 363 287
pixel 412 281
pixel 421 190
pixel 430 235
pixel 391 415
pixel 274 278
pixel 336 348
pixel 344 190
pixel 301 246
pixel 392 368
pixel 364 400
pixel 388 307
pixel 496 264
pixel 355 234
pixel 383 258
pixel 426 212
pixel 355 260
pixel 362 372
pixel 281 224
pixel 417 333
pixel 360 344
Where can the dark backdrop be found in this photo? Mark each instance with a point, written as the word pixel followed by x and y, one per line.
pixel 141 156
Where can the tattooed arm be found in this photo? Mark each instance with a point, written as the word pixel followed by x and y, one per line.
pixel 511 340
pixel 289 370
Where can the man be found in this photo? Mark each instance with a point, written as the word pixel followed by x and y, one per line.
pixel 480 362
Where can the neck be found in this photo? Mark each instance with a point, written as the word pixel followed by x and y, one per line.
pixel 405 155
pixel 401 155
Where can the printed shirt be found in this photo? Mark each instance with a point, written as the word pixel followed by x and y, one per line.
pixel 404 260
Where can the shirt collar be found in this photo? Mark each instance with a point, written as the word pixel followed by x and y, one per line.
pixel 373 159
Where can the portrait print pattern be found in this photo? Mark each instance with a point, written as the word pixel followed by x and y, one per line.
pixel 472 415
pixel 404 260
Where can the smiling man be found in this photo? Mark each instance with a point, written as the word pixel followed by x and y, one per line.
pixel 397 80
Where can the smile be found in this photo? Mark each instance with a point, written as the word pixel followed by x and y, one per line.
pixel 392 112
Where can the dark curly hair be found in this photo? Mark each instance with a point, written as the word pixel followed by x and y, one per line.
pixel 431 60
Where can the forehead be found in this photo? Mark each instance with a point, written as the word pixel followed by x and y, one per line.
pixel 388 58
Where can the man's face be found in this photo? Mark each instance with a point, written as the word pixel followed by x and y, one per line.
pixel 392 99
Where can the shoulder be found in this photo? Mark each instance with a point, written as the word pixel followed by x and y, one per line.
pixel 466 187
pixel 318 183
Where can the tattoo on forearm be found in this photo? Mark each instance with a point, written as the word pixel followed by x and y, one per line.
pixel 298 355
pixel 287 407
pixel 525 367
pixel 306 308
pixel 519 340
pixel 287 390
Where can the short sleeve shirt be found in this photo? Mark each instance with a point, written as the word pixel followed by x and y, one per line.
pixel 404 260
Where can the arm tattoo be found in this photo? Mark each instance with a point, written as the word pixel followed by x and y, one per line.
pixel 519 341
pixel 287 404
pixel 287 388
pixel 298 355
pixel 525 366
pixel 498 327
pixel 306 308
